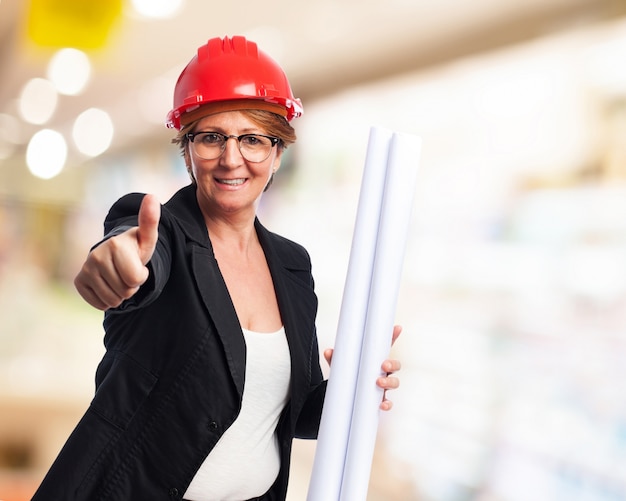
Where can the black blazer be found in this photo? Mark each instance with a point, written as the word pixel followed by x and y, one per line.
pixel 172 377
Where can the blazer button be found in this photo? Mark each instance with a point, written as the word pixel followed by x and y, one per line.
pixel 213 426
pixel 174 493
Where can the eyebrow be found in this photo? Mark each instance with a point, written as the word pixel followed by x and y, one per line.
pixel 222 130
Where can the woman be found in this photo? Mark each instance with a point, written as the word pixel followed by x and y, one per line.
pixel 212 364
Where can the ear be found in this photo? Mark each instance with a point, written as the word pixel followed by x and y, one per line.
pixel 277 159
pixel 187 159
pixel 187 156
pixel 275 167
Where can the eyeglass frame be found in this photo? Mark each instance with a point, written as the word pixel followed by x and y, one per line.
pixel 190 136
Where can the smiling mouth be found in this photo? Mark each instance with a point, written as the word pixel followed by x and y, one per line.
pixel 232 182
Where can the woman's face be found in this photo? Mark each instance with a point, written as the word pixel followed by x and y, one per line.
pixel 230 184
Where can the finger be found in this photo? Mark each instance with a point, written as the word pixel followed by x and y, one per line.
pixel 386 405
pixel 390 366
pixel 92 285
pixel 148 231
pixel 388 382
pixel 119 263
pixel 328 355
pixel 113 295
pixel 89 295
pixel 106 299
pixel 397 330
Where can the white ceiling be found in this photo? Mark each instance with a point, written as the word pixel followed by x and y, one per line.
pixel 324 46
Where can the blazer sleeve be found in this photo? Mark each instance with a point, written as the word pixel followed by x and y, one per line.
pixel 308 423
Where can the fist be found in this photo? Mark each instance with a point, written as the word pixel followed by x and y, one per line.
pixel 116 269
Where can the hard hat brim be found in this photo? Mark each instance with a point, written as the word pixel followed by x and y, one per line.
pixel 232 105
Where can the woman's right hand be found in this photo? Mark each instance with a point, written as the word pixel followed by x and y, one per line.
pixel 116 269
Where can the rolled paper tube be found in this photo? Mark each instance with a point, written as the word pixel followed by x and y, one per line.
pixel 328 465
pixel 400 184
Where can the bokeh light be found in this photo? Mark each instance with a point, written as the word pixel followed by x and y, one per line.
pixel 93 132
pixel 157 8
pixel 69 70
pixel 38 101
pixel 46 154
pixel 9 135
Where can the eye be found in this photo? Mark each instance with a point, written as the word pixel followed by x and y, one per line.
pixel 210 138
pixel 252 140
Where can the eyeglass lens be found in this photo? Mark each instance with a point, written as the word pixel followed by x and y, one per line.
pixel 211 145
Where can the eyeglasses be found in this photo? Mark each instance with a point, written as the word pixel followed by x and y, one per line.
pixel 253 147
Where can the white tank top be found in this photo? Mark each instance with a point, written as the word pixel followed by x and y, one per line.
pixel 246 460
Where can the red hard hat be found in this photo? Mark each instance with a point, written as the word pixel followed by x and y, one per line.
pixel 233 70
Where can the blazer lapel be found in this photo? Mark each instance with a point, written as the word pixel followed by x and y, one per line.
pixel 298 307
pixel 210 282
pixel 219 304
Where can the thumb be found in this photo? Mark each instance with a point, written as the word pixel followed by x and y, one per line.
pixel 148 231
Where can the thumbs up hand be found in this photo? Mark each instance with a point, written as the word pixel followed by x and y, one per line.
pixel 116 269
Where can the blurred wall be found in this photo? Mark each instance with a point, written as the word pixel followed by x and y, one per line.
pixel 513 294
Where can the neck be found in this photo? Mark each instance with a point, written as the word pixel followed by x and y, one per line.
pixel 236 234
pixel 235 229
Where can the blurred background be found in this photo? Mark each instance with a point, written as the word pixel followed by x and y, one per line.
pixel 513 298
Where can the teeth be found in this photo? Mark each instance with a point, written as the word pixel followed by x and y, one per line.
pixel 232 182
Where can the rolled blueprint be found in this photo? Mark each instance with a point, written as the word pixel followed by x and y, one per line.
pixel 393 230
pixel 350 417
pixel 328 465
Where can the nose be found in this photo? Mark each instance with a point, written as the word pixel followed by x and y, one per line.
pixel 231 155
